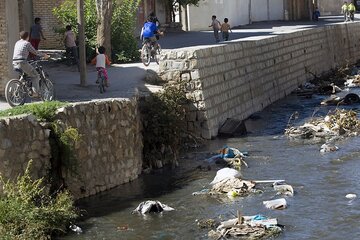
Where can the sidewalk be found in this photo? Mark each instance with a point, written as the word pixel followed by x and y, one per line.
pixel 126 79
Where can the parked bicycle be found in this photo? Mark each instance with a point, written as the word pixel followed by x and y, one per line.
pixel 150 51
pixel 17 90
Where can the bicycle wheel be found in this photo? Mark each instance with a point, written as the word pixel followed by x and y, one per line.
pixel 47 90
pixel 145 55
pixel 157 54
pixel 14 93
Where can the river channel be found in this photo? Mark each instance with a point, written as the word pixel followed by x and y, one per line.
pixel 318 210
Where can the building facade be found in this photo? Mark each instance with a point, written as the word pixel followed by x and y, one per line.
pixel 243 12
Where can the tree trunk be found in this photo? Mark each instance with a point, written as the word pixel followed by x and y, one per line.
pixel 104 16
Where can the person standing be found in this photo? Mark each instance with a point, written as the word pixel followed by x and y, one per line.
pixel 70 44
pixel 344 10
pixel 215 24
pixel 351 10
pixel 225 28
pixel 36 34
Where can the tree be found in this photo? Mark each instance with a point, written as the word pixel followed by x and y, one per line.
pixel 104 15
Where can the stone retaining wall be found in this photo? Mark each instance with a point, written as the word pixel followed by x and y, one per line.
pixel 235 80
pixel 108 154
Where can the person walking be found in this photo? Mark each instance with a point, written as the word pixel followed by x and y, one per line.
pixel 215 24
pixel 344 10
pixel 36 34
pixel 351 10
pixel 225 29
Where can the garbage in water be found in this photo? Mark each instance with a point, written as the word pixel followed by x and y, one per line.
pixel 348 99
pixel 225 173
pixel 353 82
pixel 327 147
pixel 75 228
pixel 152 206
pixel 337 123
pixel 249 227
pixel 206 223
pixel 284 189
pixel 231 156
pixel 277 204
pixel 351 196
pixel 202 192
pixel 124 228
pixel 233 187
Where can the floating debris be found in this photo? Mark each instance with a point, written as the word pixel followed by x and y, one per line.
pixel 152 206
pixel 277 204
pixel 340 122
pixel 349 99
pixel 252 227
pixel 351 196
pixel 326 147
pixel 207 223
pixel 225 173
pixel 233 186
pixel 75 229
pixel 284 189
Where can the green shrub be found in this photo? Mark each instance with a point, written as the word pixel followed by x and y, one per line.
pixel 28 213
pixel 124 44
pixel 123 26
pixel 44 111
pixel 165 126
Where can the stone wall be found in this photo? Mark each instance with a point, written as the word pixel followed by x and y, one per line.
pixel 110 150
pixel 3 46
pixel 21 139
pixel 237 79
pixel 108 154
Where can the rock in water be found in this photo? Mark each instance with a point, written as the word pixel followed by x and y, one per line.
pixel 152 206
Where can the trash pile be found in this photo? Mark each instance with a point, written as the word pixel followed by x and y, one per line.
pixel 246 227
pixel 348 99
pixel 231 157
pixel 337 123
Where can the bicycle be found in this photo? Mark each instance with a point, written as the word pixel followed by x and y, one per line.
pixel 101 81
pixel 149 51
pixel 17 90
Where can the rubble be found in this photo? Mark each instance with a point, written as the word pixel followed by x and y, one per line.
pixel 249 227
pixel 284 189
pixel 337 123
pixel 235 186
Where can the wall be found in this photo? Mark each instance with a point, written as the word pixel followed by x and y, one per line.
pixel 238 12
pixel 43 9
pixel 9 34
pixel 108 154
pixel 237 79
pixel 22 138
pixel 330 7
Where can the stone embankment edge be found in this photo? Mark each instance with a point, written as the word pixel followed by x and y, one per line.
pixel 237 79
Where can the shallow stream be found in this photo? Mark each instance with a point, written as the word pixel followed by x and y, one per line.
pixel 318 210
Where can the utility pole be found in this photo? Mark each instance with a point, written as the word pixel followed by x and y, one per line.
pixel 82 53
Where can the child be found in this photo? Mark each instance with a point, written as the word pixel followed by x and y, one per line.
pixel 70 45
pixel 225 28
pixel 316 14
pixel 215 24
pixel 101 60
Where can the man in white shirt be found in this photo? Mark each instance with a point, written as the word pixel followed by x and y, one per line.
pixel 21 52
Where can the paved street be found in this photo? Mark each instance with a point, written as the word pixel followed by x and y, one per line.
pixel 126 79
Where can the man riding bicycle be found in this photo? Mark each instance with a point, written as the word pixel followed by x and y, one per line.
pixel 21 52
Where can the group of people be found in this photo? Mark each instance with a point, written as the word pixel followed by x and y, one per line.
pixel 224 28
pixel 27 49
pixel 348 9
